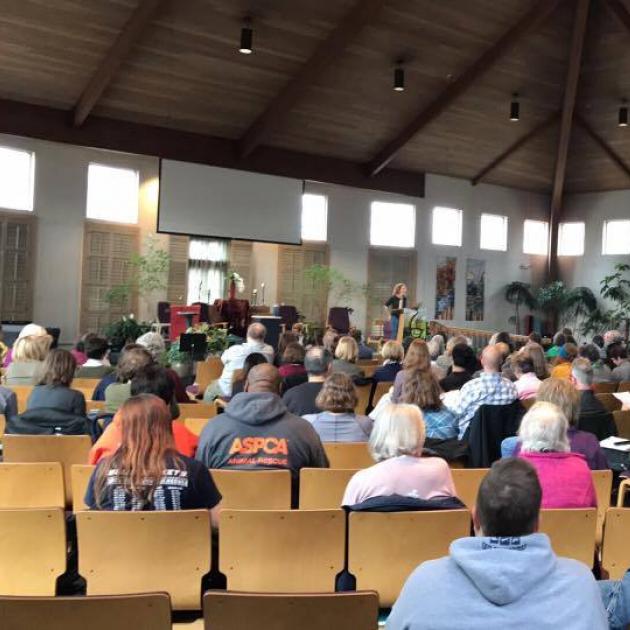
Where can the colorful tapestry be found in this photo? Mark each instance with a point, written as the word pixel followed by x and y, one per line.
pixel 445 287
pixel 475 289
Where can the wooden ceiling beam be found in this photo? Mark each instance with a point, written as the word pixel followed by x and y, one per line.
pixel 535 16
pixel 111 62
pixel 363 12
pixel 515 146
pixel 566 122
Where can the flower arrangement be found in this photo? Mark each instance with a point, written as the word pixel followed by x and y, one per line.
pixel 237 279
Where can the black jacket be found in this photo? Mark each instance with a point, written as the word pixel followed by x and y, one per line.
pixel 47 421
pixel 399 503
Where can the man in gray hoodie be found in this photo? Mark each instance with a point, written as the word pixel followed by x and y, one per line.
pixel 507 576
pixel 258 432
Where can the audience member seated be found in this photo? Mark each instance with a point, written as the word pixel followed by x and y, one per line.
pixel 346 355
pixel 502 337
pixel 558 341
pixel 337 421
pixel 445 360
pixel 133 359
pixel 601 372
pixel 490 388
pixel 396 445
pixel 330 340
pixel 582 377
pixel 255 358
pixel 534 337
pixel 507 576
pixel 422 389
pixel 292 362
pixel 564 476
pixel 537 355
pixel 29 354
pixel 108 379
pixel 618 356
pixel 284 340
pixel 97 363
pixel 30 330
pixel 393 355
pixel 464 364
pixel 256 431
pixel 562 365
pixel 527 383
pixel 234 358
pixel 146 473
pixel 155 380
pixel 8 403
pixel 365 352
pixel 78 352
pixel 417 358
pixel 300 400
pixel 598 342
pixel 435 347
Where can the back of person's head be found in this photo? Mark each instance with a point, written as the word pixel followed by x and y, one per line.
pixel 434 347
pixel 598 340
pixel 155 380
pixel 251 360
pixel 509 499
pixel 59 368
pixel 337 394
pixel 537 355
pixel 544 429
pixel 616 351
pixel 398 430
pixel 256 332
pixel 133 359
pixel 491 358
pixel 612 336
pixel 347 349
pixel 317 361
pixel 285 339
pixel 95 347
pixel 504 337
pixel 32 330
pixel 421 388
pixel 567 332
pixel 417 356
pixel 330 340
pixel 355 333
pixel 504 349
pixel 559 339
pixel 393 351
pixel 582 371
pixel 523 364
pixel 263 378
pixel 293 354
pixel 153 342
pixel 463 357
pixel 456 340
pixel 32 348
pixel 568 351
pixel 561 392
pixel 535 337
pixel 590 352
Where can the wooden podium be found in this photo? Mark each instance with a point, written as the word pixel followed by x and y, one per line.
pixel 400 333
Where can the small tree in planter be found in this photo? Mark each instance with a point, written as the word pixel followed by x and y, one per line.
pixel 519 294
pixel 125 330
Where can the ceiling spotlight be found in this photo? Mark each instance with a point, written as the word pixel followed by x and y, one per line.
pixel 515 108
pixel 623 113
pixel 399 77
pixel 247 36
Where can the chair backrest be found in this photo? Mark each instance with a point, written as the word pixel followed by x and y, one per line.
pixel 467 482
pixel 22 392
pixel 32 551
pixel 254 489
pixel 292 551
pixel 3 425
pixel 368 369
pixel 80 476
pixel 143 552
pixel 94 405
pixel 624 386
pixel 31 485
pixel 88 384
pixel 602 480
pixel 208 371
pixel 385 547
pixel 380 390
pixel 283 611
pixel 122 612
pixel 572 532
pixel 622 420
pixel 348 454
pixel 66 449
pixel 363 398
pixel 615 549
pixel 609 401
pixel 197 410
pixel 605 388
pixel 195 425
pixel 323 488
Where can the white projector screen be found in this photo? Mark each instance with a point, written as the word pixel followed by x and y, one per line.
pixel 200 200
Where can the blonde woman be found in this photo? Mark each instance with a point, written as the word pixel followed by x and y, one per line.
pixel 393 354
pixel 28 356
pixel 346 355
pixel 396 443
pixel 396 303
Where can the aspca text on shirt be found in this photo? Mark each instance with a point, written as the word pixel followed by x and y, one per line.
pixel 259 451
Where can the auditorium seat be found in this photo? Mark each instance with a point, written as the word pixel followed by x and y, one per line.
pixel 615 549
pixel 293 551
pixel 622 420
pixel 287 611
pixel 467 482
pixel 197 410
pixel 112 612
pixel 31 485
pixel 363 398
pixel 624 488
pixel 143 552
pixel 605 388
pixel 32 551
pixel 572 532
pixel 88 384
pixel 380 390
pixel 348 454
pixel 66 449
pixel 624 386
pixel 95 405
pixel 323 488
pixel 602 480
pixel 368 369
pixel 384 548
pixel 254 489
pixel 609 401
pixel 80 476
pixel 22 392
pixel 195 425
pixel 207 371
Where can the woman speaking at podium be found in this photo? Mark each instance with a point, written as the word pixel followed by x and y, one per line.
pixel 396 304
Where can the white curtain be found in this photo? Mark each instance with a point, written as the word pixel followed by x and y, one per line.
pixel 207 267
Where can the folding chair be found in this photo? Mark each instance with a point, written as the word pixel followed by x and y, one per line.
pixel 582 525
pixel 31 485
pixel 254 489
pixel 467 482
pixel 348 455
pixel 323 488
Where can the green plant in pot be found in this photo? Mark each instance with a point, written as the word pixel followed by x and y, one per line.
pixel 125 330
pixel 181 362
pixel 519 294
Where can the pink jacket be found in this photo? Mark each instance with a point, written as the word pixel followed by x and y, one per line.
pixel 565 479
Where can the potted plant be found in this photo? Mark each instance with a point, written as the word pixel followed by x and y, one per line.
pixel 216 337
pixel 125 330
pixel 519 293
pixel 180 362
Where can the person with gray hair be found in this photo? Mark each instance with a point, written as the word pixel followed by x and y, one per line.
pixel 582 378
pixel 601 372
pixel 300 399
pixel 564 476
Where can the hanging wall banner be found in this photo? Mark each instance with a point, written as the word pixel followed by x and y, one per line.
pixel 475 289
pixel 445 287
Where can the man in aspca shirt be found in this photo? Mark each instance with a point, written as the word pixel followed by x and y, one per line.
pixel 257 432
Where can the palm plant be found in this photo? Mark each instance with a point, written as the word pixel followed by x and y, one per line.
pixel 519 293
pixel 579 304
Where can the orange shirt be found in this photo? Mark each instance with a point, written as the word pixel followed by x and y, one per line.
pixel 562 370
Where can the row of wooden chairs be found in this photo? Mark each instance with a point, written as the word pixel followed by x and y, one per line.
pixel 265 551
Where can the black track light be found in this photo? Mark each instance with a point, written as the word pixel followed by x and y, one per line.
pixel 399 77
pixel 247 37
pixel 623 114
pixel 515 108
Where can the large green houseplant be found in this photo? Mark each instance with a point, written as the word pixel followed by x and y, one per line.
pixel 519 294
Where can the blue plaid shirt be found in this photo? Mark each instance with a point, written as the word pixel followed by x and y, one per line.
pixel 487 389
pixel 440 423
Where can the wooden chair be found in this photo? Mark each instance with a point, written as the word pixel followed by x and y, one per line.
pixel 363 398
pixel 602 480
pixel 616 550
pixel 254 489
pixel 94 405
pixel 32 485
pixel 87 384
pixel 467 482
pixel 122 612
pixel 292 551
pixel 323 488
pixel 572 532
pixel 195 425
pixel 66 449
pixel 624 487
pixel 207 371
pixel 609 401
pixel 197 410
pixel 605 388
pixel 79 478
pixel 380 390
pixel 384 548
pixel 3 426
pixel 622 420
pixel 143 552
pixel 369 370
pixel 22 392
pixel 624 386
pixel 32 551
pixel 348 455
pixel 308 611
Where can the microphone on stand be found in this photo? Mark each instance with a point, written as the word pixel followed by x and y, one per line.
pixel 200 286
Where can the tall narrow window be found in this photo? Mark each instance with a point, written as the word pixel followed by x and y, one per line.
pixel 17 176
pixel 493 232
pixel 314 218
pixel 571 239
pixel 535 237
pixel 616 237
pixel 447 226
pixel 112 194
pixel 207 268
pixel 392 224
